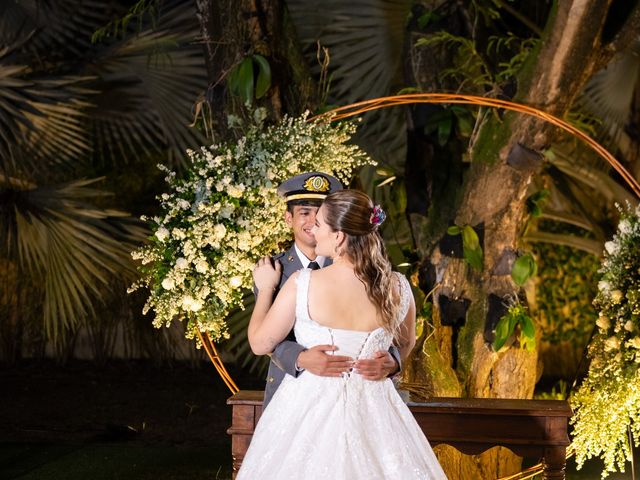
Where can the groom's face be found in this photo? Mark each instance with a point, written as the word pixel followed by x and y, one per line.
pixel 301 219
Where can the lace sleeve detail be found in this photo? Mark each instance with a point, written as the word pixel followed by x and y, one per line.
pixel 405 296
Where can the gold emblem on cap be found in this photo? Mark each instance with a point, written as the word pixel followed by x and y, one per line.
pixel 316 184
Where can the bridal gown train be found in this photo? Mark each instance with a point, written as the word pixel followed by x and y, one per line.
pixel 339 428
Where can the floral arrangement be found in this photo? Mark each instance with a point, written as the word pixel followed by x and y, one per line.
pixel 225 214
pixel 607 405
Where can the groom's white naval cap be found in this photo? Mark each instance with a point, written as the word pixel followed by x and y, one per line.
pixel 309 186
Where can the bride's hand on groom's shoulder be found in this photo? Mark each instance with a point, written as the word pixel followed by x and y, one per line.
pixel 266 275
pixel 381 366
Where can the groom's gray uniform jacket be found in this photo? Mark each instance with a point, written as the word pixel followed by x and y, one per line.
pixel 285 355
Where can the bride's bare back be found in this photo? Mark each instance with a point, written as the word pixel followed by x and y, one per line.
pixel 338 299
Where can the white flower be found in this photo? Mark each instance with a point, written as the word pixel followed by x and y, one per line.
pixel 235 281
pixel 603 322
pixel 629 326
pixel 202 266
pixel 236 191
pixel 196 305
pixel 162 234
pixel 625 227
pixel 178 234
pixel 168 284
pixel 611 343
pixel 187 301
pixel 616 296
pixel 611 247
pixel 634 342
pixel 219 231
pixel 183 204
pixel 604 286
pixel 182 263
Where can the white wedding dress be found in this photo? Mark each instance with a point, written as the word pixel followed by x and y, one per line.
pixel 339 428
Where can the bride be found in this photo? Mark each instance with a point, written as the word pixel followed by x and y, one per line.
pixel 338 427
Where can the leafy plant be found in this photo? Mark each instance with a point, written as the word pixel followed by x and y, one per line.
pixel 523 269
pixel 251 78
pixel 471 248
pixel 516 316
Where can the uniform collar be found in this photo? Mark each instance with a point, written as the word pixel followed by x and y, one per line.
pixel 320 260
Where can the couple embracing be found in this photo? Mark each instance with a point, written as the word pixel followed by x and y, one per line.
pixel 337 322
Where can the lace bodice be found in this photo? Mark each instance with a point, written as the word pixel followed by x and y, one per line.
pixel 352 343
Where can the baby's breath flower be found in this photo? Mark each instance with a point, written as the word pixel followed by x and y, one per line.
pixel 226 213
pixel 607 404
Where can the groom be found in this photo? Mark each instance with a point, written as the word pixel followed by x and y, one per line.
pixel 304 194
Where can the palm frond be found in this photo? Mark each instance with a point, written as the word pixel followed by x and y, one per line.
pixel 41 118
pixel 150 82
pixel 609 93
pixel 593 247
pixel 365 41
pixel 46 28
pixel 73 247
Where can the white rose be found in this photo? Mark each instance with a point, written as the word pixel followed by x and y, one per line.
pixel 196 305
pixel 625 227
pixel 603 322
pixel 187 301
pixel 235 282
pixel 162 234
pixel 183 204
pixel 202 266
pixel 616 296
pixel 181 263
pixel 611 343
pixel 611 247
pixel 168 284
pixel 628 326
pixel 219 231
pixel 604 286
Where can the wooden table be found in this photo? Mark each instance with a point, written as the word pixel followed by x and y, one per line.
pixel 530 428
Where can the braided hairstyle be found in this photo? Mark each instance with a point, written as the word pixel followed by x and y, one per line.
pixel 352 212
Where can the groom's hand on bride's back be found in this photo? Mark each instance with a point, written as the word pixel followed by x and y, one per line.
pixel 381 366
pixel 320 361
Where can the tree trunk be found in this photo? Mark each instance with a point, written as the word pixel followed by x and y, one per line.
pixel 234 29
pixel 458 358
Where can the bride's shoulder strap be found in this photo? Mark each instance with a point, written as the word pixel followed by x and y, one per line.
pixel 405 293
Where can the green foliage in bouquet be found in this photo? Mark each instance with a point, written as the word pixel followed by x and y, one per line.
pixel 607 404
pixel 225 214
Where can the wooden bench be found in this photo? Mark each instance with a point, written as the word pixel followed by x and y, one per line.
pixel 530 428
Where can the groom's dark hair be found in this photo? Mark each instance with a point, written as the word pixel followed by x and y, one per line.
pixel 303 202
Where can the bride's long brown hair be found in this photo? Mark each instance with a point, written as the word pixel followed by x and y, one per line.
pixel 350 212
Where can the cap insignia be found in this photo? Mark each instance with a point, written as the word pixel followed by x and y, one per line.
pixel 316 184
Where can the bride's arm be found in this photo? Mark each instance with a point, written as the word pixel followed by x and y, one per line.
pixel 270 324
pixel 406 335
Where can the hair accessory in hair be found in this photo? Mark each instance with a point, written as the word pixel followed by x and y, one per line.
pixel 377 216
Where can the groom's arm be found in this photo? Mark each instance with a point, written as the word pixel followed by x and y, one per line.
pixel 285 355
pixel 293 358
